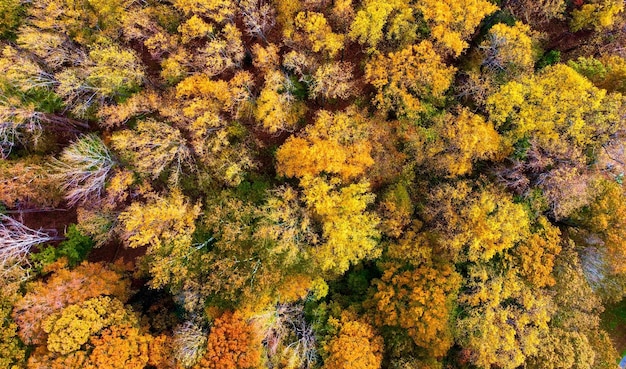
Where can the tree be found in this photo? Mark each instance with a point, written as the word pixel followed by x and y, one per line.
pixel 217 10
pixel 335 144
pixel 255 259
pixel 194 28
pixel 275 107
pixel 287 222
pixel 289 340
pixel 153 147
pixel 118 347
pixel 259 17
pixel 266 58
pixel 349 231
pixel 12 351
pixel 78 18
pixel 54 48
pixel 116 72
pixel 534 257
pixel 355 345
pixel 607 72
pixel 419 300
pixel 504 322
pixel 380 20
pixel 334 81
pixel 396 210
pixel 537 13
pixel 84 167
pixel 604 217
pixel 189 344
pixel 16 242
pixel 597 15
pixel 141 103
pixel 575 339
pixel 9 17
pixel 26 183
pixel 71 328
pixel 314 33
pixel 475 224
pixel 165 225
pixel 558 107
pixel 509 49
pixel 231 344
pixel 223 52
pixel 63 288
pixel 451 22
pixel 403 79
pixel 460 139
pixel 200 108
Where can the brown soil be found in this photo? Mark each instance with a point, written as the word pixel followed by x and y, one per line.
pixel 114 251
pixel 52 221
pixel 559 37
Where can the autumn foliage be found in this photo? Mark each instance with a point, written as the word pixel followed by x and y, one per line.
pixel 312 184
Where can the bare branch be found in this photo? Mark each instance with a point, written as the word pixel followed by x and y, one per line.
pixel 16 241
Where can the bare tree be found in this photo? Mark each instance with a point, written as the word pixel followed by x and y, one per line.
pixel 286 325
pixel 258 16
pixel 189 343
pixel 84 167
pixel 16 241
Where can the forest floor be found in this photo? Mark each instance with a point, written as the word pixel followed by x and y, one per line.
pixel 613 320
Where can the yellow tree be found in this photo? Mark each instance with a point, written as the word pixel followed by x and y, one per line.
pixel 78 18
pixel 558 107
pixel 276 108
pixel 452 23
pixel 216 10
pixel 70 328
pixel 165 225
pixel 349 231
pixel 403 79
pixel 379 20
pixel 335 144
pixel 152 147
pixel 65 287
pixel 596 15
pixel 116 71
pixel 509 49
pixel 420 300
pixel 12 351
pixel 575 339
pixel 460 139
pixel 313 32
pixel 504 322
pixel 356 345
pixel 194 28
pixel 534 257
pixel 258 256
pixel 266 58
pixel 334 81
pixel 9 16
pixel 223 52
pixel 202 107
pixel 475 224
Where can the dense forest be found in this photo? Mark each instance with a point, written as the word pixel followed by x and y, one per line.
pixel 332 184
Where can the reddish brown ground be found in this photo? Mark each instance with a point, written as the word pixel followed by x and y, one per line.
pixel 114 251
pixel 52 222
